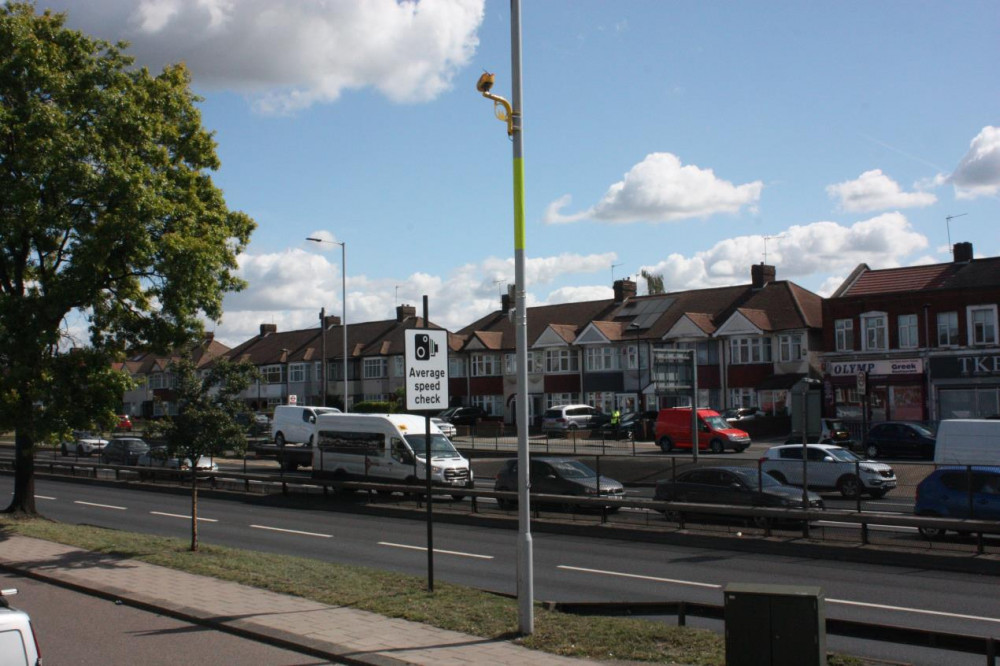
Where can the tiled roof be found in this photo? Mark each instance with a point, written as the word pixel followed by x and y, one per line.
pixel 982 273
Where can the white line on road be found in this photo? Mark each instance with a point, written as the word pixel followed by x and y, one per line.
pixel 279 529
pixel 436 550
pixel 628 575
pixel 44 497
pixel 914 610
pixel 179 515
pixel 101 506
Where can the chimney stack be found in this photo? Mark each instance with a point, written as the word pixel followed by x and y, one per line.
pixel 624 289
pixel 329 321
pixel 962 253
pixel 268 328
pixel 404 312
pixel 761 274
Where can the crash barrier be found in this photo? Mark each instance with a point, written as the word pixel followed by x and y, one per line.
pixel 885 633
pixel 754 521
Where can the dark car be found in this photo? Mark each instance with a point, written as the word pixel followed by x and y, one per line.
pixel 735 414
pixel 467 416
pixel 557 476
pixel 958 492
pixel 900 439
pixel 124 451
pixel 628 427
pixel 734 486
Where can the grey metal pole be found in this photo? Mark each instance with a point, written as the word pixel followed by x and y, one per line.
pixel 322 369
pixel 427 480
pixel 695 434
pixel 343 305
pixel 525 565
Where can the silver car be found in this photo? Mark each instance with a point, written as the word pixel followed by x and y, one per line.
pixel 566 418
pixel 829 467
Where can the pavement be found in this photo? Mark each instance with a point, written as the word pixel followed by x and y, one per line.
pixel 342 635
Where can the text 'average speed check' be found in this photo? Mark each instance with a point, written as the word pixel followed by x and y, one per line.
pixel 426 369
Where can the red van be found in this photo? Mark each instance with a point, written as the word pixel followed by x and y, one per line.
pixel 716 434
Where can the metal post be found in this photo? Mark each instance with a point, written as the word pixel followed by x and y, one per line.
pixel 695 435
pixel 343 310
pixel 322 368
pixel 427 479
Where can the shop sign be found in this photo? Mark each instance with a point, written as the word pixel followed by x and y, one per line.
pixel 978 365
pixel 904 366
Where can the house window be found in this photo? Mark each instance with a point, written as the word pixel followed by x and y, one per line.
pixel 297 372
pixel 600 359
pixel 750 350
pixel 456 366
pixel 398 366
pixel 561 360
pixel 374 368
pixel 156 381
pixel 947 329
pixel 873 326
pixel 485 365
pixel 602 400
pixel 271 374
pixel 376 397
pixel 491 404
pixel 742 397
pixel 908 331
pixel 556 399
pixel 790 347
pixel 535 360
pixel 844 329
pixel 317 371
pixel 982 325
pixel 707 353
pixel 630 357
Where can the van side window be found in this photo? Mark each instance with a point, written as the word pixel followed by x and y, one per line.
pixel 400 453
pixel 308 416
pixel 351 443
pixel 791 453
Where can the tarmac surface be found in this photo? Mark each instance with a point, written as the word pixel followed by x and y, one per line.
pixel 341 635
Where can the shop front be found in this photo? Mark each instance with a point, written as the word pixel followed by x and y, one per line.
pixel 871 391
pixel 966 385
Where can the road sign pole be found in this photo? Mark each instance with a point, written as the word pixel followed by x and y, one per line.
pixel 427 477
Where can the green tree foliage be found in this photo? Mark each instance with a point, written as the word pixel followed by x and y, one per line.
pixel 205 424
pixel 107 211
pixel 654 282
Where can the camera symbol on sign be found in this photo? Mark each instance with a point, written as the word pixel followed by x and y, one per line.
pixel 425 348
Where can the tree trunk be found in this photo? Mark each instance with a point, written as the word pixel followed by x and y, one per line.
pixel 23 501
pixel 194 507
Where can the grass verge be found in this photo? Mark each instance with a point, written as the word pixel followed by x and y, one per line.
pixel 403 596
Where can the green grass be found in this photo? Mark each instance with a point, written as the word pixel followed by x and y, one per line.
pixel 403 596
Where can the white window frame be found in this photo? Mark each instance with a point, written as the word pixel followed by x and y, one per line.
pixel 750 350
pixel 790 348
pixel 601 359
pixel 157 380
pixel 398 366
pixel 844 334
pixel 909 336
pixel 987 324
pixel 272 374
pixel 297 372
pixel 456 366
pixel 876 323
pixel 491 404
pixel 947 322
pixel 737 395
pixel 556 399
pixel 485 365
pixel 374 368
pixel 561 361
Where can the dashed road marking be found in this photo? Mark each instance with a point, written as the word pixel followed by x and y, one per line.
pixel 436 550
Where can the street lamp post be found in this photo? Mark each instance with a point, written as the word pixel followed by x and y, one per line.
pixel 343 317
pixel 510 113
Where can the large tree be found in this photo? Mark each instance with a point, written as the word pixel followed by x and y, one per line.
pixel 107 212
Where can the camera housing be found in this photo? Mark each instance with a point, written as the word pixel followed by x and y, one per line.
pixel 424 347
pixel 485 82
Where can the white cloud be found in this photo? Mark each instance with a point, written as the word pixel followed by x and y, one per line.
pixel 661 189
pixel 978 174
pixel 873 190
pixel 290 54
pixel 818 248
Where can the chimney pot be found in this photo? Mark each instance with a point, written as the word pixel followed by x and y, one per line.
pixel 962 253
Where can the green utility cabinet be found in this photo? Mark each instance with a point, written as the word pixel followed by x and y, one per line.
pixel 774 625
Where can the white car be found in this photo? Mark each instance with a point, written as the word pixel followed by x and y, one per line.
pixel 829 467
pixel 18 644
pixel 157 457
pixel 447 429
pixel 83 443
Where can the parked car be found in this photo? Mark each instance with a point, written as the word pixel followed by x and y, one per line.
pixel 18 642
pixel 833 431
pixel 733 486
pixel 829 467
pixel 123 451
pixel 466 416
pixel 557 476
pixel 124 423
pixel 946 491
pixel 83 443
pixel 628 427
pixel 562 419
pixel 157 456
pixel 447 429
pixel 734 414
pixel 900 439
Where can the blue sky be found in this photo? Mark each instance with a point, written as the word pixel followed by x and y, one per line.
pixel 667 136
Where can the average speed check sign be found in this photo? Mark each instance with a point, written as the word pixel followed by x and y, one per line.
pixel 426 369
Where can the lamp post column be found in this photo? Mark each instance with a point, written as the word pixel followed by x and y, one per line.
pixel 343 303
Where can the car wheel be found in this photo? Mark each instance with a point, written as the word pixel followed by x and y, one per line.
pixel 850 486
pixel 666 444
pixel 279 440
pixel 762 522
pixel 742 449
pixel 716 446
pixel 778 476
pixel 871 451
pixel 931 532
pixel 458 498
pixel 289 465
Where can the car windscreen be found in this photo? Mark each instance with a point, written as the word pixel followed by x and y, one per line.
pixel 752 479
pixel 572 469
pixel 717 423
pixel 842 454
pixel 921 430
pixel 441 447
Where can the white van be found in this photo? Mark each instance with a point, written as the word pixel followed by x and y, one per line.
pixel 18 643
pixel 968 442
pixel 386 447
pixel 293 424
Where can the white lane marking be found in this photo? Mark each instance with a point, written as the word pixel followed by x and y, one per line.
pixel 279 529
pixel 179 515
pixel 44 497
pixel 102 506
pixel 844 602
pixel 628 575
pixel 436 550
pixel 921 611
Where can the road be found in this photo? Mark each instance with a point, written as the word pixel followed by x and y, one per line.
pixel 567 568
pixel 79 629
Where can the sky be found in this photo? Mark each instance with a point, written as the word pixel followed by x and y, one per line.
pixel 686 139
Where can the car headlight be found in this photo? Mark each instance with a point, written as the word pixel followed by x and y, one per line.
pixel 435 469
